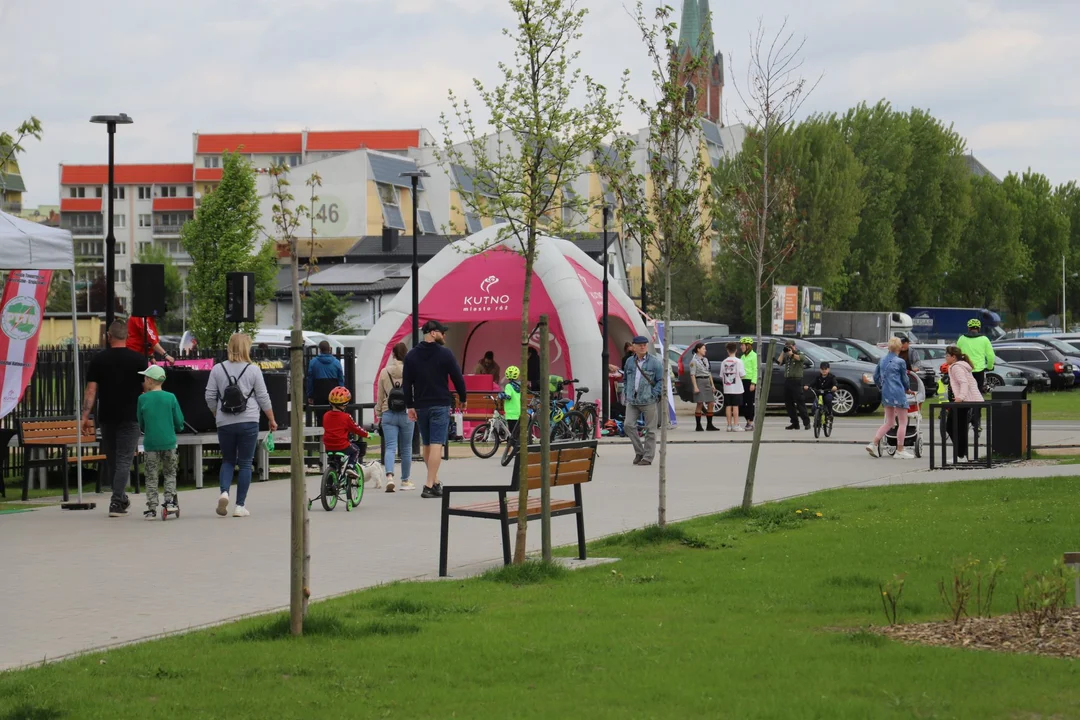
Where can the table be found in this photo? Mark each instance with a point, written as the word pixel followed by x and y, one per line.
pixel 192 444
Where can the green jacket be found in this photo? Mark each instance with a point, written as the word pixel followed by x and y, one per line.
pixel 511 396
pixel 749 361
pixel 159 419
pixel 792 368
pixel 979 350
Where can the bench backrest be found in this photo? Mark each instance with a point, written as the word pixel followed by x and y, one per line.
pixel 479 404
pixel 52 431
pixel 572 463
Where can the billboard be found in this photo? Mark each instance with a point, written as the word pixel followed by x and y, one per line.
pixel 813 302
pixel 785 310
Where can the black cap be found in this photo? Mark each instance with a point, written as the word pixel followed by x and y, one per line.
pixel 904 340
pixel 433 326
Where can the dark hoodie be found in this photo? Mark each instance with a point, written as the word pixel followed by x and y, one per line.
pixel 323 367
pixel 427 372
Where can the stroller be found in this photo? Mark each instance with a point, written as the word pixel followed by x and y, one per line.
pixel 913 434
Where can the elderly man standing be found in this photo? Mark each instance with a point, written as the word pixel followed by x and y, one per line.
pixel 643 375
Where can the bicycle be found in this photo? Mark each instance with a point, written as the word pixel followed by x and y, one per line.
pixel 336 482
pixel 486 437
pixel 566 424
pixel 823 415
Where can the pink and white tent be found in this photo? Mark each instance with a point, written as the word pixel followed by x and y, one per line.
pixel 475 287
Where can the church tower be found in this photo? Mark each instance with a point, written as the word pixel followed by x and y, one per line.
pixel 696 38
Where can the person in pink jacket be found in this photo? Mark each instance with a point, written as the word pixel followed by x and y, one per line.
pixel 964 389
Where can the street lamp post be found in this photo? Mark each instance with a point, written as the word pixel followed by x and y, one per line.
pixel 605 354
pixel 110 121
pixel 414 176
pixel 644 302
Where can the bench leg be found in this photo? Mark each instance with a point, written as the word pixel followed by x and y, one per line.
pixel 444 533
pixel 504 521
pixel 66 470
pixel 580 523
pixel 197 464
pixel 27 453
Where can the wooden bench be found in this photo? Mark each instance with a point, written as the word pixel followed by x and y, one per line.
pixel 572 463
pixel 479 407
pixel 49 433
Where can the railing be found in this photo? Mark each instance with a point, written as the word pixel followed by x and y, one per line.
pixel 91 231
pixel 167 229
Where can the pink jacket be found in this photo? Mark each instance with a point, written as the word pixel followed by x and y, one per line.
pixel 963 384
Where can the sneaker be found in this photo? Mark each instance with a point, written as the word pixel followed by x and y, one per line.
pixel 126 503
pixel 431 492
pixel 171 508
pixel 406 485
pixel 874 450
pixel 645 462
pixel 240 511
pixel 637 459
pixel 390 484
pixel 223 504
pixel 904 455
pixel 149 514
pixel 962 459
pixel 806 426
pixel 748 426
pixel 351 472
pixel 117 509
pixel 792 427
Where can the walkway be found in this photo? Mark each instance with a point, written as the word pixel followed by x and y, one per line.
pixel 71 581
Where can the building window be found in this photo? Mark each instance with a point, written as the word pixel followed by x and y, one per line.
pixel 144 192
pixel 120 249
pixel 388 194
pixel 118 193
pixel 277 160
pixel 189 191
pixel 206 189
pixel 144 247
pixel 167 191
pixel 294 160
pixel 121 276
pixel 472 223
pixel 144 221
pixel 78 192
pixel 119 221
pixel 99 192
pixel 211 162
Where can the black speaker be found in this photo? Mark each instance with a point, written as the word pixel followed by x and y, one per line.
pixel 189 387
pixel 240 297
pixel 147 290
pixel 277 386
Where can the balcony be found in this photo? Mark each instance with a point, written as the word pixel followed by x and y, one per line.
pixel 11 207
pixel 161 230
pixel 95 231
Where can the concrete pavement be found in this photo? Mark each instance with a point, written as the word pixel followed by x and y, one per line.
pixel 72 581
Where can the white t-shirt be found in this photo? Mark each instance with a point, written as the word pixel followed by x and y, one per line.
pixel 732 371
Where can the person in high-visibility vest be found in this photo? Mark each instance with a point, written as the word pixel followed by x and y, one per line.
pixel 979 350
pixel 750 363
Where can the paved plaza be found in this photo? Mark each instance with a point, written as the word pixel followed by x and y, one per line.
pixel 71 581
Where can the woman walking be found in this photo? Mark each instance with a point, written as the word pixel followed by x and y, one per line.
pixel 891 377
pixel 704 389
pixel 965 388
pixel 393 417
pixel 235 393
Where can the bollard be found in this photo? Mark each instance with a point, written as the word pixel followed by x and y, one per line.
pixel 1072 561
pixel 596 425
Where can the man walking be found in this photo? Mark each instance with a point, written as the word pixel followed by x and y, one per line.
pixel 113 378
pixel 323 375
pixel 428 370
pixel 749 359
pixel 794 399
pixel 643 377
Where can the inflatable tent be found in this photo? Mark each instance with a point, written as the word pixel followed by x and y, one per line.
pixel 475 287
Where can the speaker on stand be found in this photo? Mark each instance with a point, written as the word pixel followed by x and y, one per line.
pixel 147 296
pixel 240 298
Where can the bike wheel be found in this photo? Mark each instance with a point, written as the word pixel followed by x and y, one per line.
pixel 817 422
pixel 484 441
pixel 328 496
pixel 534 431
pixel 589 411
pixel 509 452
pixel 354 489
pixel 827 424
pixel 576 425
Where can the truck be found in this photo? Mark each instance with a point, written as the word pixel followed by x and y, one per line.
pixel 684 332
pixel 946 324
pixel 873 327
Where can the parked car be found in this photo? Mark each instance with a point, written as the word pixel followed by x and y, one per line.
pixel 1038 357
pixel 1002 374
pixel 1072 339
pixel 868 352
pixel 1066 349
pixel 857 391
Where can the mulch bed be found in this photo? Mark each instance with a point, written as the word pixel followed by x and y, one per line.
pixel 1005 633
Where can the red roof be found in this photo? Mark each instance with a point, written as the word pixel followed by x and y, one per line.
pixel 253 143
pixel 171 174
pixel 80 205
pixel 178 203
pixel 355 139
pixel 207 174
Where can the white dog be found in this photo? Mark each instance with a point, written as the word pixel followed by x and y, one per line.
pixel 374 470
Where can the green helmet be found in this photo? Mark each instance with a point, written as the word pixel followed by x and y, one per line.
pixel 746 340
pixel 974 323
pixel 513 372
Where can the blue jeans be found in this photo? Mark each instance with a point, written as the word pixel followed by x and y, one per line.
pixel 237 448
pixel 434 424
pixel 397 432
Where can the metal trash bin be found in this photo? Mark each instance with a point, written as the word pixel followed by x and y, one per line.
pixel 1012 422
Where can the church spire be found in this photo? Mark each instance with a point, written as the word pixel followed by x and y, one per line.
pixel 705 30
pixel 690 27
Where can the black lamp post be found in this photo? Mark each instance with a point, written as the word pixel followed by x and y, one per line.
pixel 414 176
pixel 644 302
pixel 605 354
pixel 111 121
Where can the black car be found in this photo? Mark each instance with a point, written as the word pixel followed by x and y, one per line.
pixel 1039 357
pixel 1063 347
pixel 864 351
pixel 856 391
pixel 932 357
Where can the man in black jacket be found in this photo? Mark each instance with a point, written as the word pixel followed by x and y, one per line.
pixel 428 369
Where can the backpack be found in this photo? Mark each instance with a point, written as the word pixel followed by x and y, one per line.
pixel 233 400
pixel 395 399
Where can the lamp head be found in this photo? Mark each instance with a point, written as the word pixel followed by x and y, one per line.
pixel 121 119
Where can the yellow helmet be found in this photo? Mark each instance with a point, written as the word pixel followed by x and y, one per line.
pixel 513 372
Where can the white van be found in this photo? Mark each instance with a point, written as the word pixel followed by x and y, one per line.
pixel 281 337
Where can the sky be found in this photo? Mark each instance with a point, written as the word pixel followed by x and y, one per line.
pixel 1002 72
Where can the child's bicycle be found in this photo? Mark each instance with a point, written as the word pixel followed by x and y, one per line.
pixel 488 436
pixel 336 482
pixel 823 415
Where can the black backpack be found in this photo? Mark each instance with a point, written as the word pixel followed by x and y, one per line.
pixel 233 400
pixel 395 399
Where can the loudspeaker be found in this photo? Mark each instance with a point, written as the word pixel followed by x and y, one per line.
pixel 147 290
pixel 240 297
pixel 189 387
pixel 277 386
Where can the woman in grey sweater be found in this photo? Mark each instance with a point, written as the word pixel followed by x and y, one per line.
pixel 237 418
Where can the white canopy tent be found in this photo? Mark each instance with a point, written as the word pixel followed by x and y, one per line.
pixel 26 245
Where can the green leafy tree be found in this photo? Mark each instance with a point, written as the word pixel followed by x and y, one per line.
pixel 326 313
pixel 989 253
pixel 1044 233
pixel 692 291
pixel 1068 197
pixel 545 116
pixel 174 287
pixel 11 144
pixel 223 238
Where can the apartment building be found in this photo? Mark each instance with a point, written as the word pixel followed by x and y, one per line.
pixel 11 187
pixel 151 203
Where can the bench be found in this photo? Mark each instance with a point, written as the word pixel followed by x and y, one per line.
pixel 55 432
pixel 479 407
pixel 572 463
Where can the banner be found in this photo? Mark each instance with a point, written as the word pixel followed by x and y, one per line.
pixel 21 313
pixel 785 310
pixel 667 375
pixel 813 304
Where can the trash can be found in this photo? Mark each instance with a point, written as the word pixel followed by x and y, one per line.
pixel 1011 421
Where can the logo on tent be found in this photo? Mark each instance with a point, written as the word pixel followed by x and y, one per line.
pixel 486 301
pixel 486 283
pixel 21 317
pixel 587 283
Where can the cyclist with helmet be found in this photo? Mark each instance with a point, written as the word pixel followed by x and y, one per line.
pixel 337 425
pixel 979 350
pixel 511 397
pixel 750 364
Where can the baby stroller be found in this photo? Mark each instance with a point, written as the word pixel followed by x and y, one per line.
pixel 913 435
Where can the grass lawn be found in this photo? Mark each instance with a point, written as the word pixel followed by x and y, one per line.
pixel 728 618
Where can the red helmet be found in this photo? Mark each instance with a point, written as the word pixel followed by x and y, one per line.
pixel 340 396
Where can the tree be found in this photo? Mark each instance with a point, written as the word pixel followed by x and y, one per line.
pixel 1068 197
pixel 222 239
pixel 989 253
pixel 11 145
pixel 692 290
pixel 756 190
pixel 174 287
pixel 545 116
pixel 1044 233
pixel 326 313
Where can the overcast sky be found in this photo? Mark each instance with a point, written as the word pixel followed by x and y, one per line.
pixel 1002 71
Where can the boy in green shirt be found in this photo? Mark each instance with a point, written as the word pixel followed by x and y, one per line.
pixel 511 397
pixel 159 419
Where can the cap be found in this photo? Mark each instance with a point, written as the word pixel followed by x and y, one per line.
pixel 905 340
pixel 640 340
pixel 154 372
pixel 433 326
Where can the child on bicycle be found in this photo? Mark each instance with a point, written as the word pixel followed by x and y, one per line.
pixel 825 383
pixel 337 426
pixel 511 397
